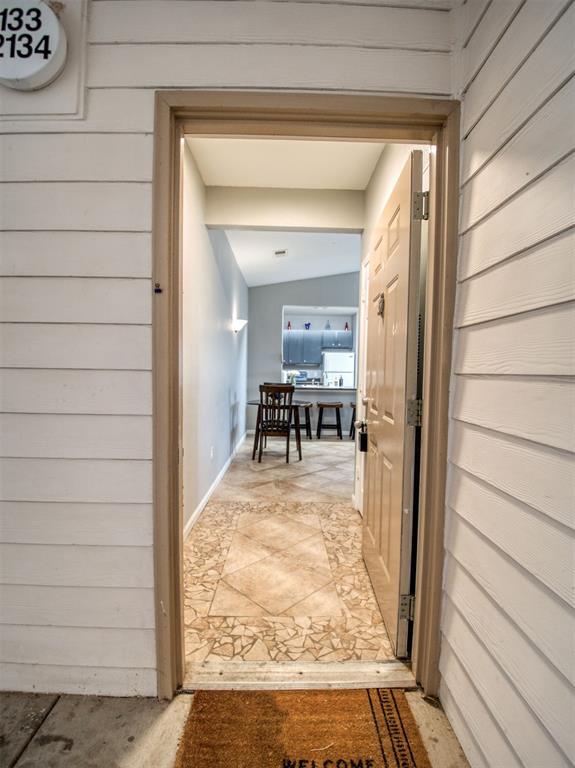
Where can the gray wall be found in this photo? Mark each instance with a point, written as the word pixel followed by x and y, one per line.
pixel 265 321
pixel 214 357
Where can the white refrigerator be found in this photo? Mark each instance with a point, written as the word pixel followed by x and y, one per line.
pixel 339 365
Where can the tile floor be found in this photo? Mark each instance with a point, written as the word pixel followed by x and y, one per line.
pixel 273 567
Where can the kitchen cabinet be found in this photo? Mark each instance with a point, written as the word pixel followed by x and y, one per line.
pixel 302 347
pixel 337 340
pixel 293 347
pixel 305 347
pixel 312 347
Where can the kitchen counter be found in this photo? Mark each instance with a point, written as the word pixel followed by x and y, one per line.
pixel 319 393
pixel 323 388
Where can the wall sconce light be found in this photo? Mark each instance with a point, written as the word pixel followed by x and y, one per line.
pixel 237 325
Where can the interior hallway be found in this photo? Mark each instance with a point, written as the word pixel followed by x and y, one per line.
pixel 273 566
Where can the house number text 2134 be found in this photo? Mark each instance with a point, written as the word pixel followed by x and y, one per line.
pixel 32 44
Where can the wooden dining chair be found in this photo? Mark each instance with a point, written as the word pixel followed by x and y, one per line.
pixel 275 416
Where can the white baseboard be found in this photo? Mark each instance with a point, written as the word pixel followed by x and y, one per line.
pixel 199 509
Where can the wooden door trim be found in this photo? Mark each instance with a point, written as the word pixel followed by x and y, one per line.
pixel 290 115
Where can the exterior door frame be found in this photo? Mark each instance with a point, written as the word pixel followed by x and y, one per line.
pixel 299 115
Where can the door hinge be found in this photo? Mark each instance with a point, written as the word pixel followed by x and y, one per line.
pixel 421 206
pixel 414 413
pixel 406 607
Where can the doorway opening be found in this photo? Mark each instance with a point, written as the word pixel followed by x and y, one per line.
pixel 275 553
pixel 274 561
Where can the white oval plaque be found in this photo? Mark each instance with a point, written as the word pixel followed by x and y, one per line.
pixel 32 44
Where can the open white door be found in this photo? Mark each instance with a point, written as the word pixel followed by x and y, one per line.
pixel 391 402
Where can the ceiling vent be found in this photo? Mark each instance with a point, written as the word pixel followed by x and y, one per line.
pixel 281 253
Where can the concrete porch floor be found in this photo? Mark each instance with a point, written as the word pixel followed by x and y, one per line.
pixel 51 731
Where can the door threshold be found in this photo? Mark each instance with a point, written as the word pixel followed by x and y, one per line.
pixel 286 675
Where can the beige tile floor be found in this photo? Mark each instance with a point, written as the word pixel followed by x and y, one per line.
pixel 273 567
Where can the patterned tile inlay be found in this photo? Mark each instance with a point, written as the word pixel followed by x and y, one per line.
pixel 280 581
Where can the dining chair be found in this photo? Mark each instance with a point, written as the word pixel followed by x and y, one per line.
pixel 275 416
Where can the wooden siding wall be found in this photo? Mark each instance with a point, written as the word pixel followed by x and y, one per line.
pixel 75 215
pixel 508 629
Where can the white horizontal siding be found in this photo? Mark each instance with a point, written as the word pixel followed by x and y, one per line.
pixel 75 252
pixel 173 21
pixel 268 66
pixel 86 157
pixel 35 390
pixel 487 732
pixel 485 659
pixel 491 26
pixel 80 646
pixel 528 29
pixel 76 206
pixel 91 566
pixel 74 436
pixel 508 626
pixel 426 5
pixel 467 739
pixel 465 17
pixel 543 141
pixel 534 343
pixel 107 111
pixel 550 629
pixel 550 65
pixel 540 410
pixel 87 481
pixel 75 300
pixel 543 548
pixel 501 291
pixel 539 211
pixel 23 522
pixel 97 607
pixel 115 347
pixel 95 681
pixel 535 474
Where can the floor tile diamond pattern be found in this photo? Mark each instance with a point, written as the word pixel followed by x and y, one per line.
pixel 279 578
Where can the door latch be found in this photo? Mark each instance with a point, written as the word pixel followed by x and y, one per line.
pixel 361 427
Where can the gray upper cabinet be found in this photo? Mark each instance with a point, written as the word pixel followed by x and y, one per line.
pixel 312 347
pixel 337 340
pixel 344 339
pixel 302 347
pixel 305 347
pixel 293 347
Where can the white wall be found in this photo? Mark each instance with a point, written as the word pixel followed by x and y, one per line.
pixel 313 209
pixel 508 628
pixel 214 357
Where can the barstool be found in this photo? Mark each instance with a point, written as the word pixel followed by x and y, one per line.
pixel 352 425
pixel 334 425
pixel 307 410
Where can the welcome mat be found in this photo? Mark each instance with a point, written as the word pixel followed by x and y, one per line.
pixel 301 729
